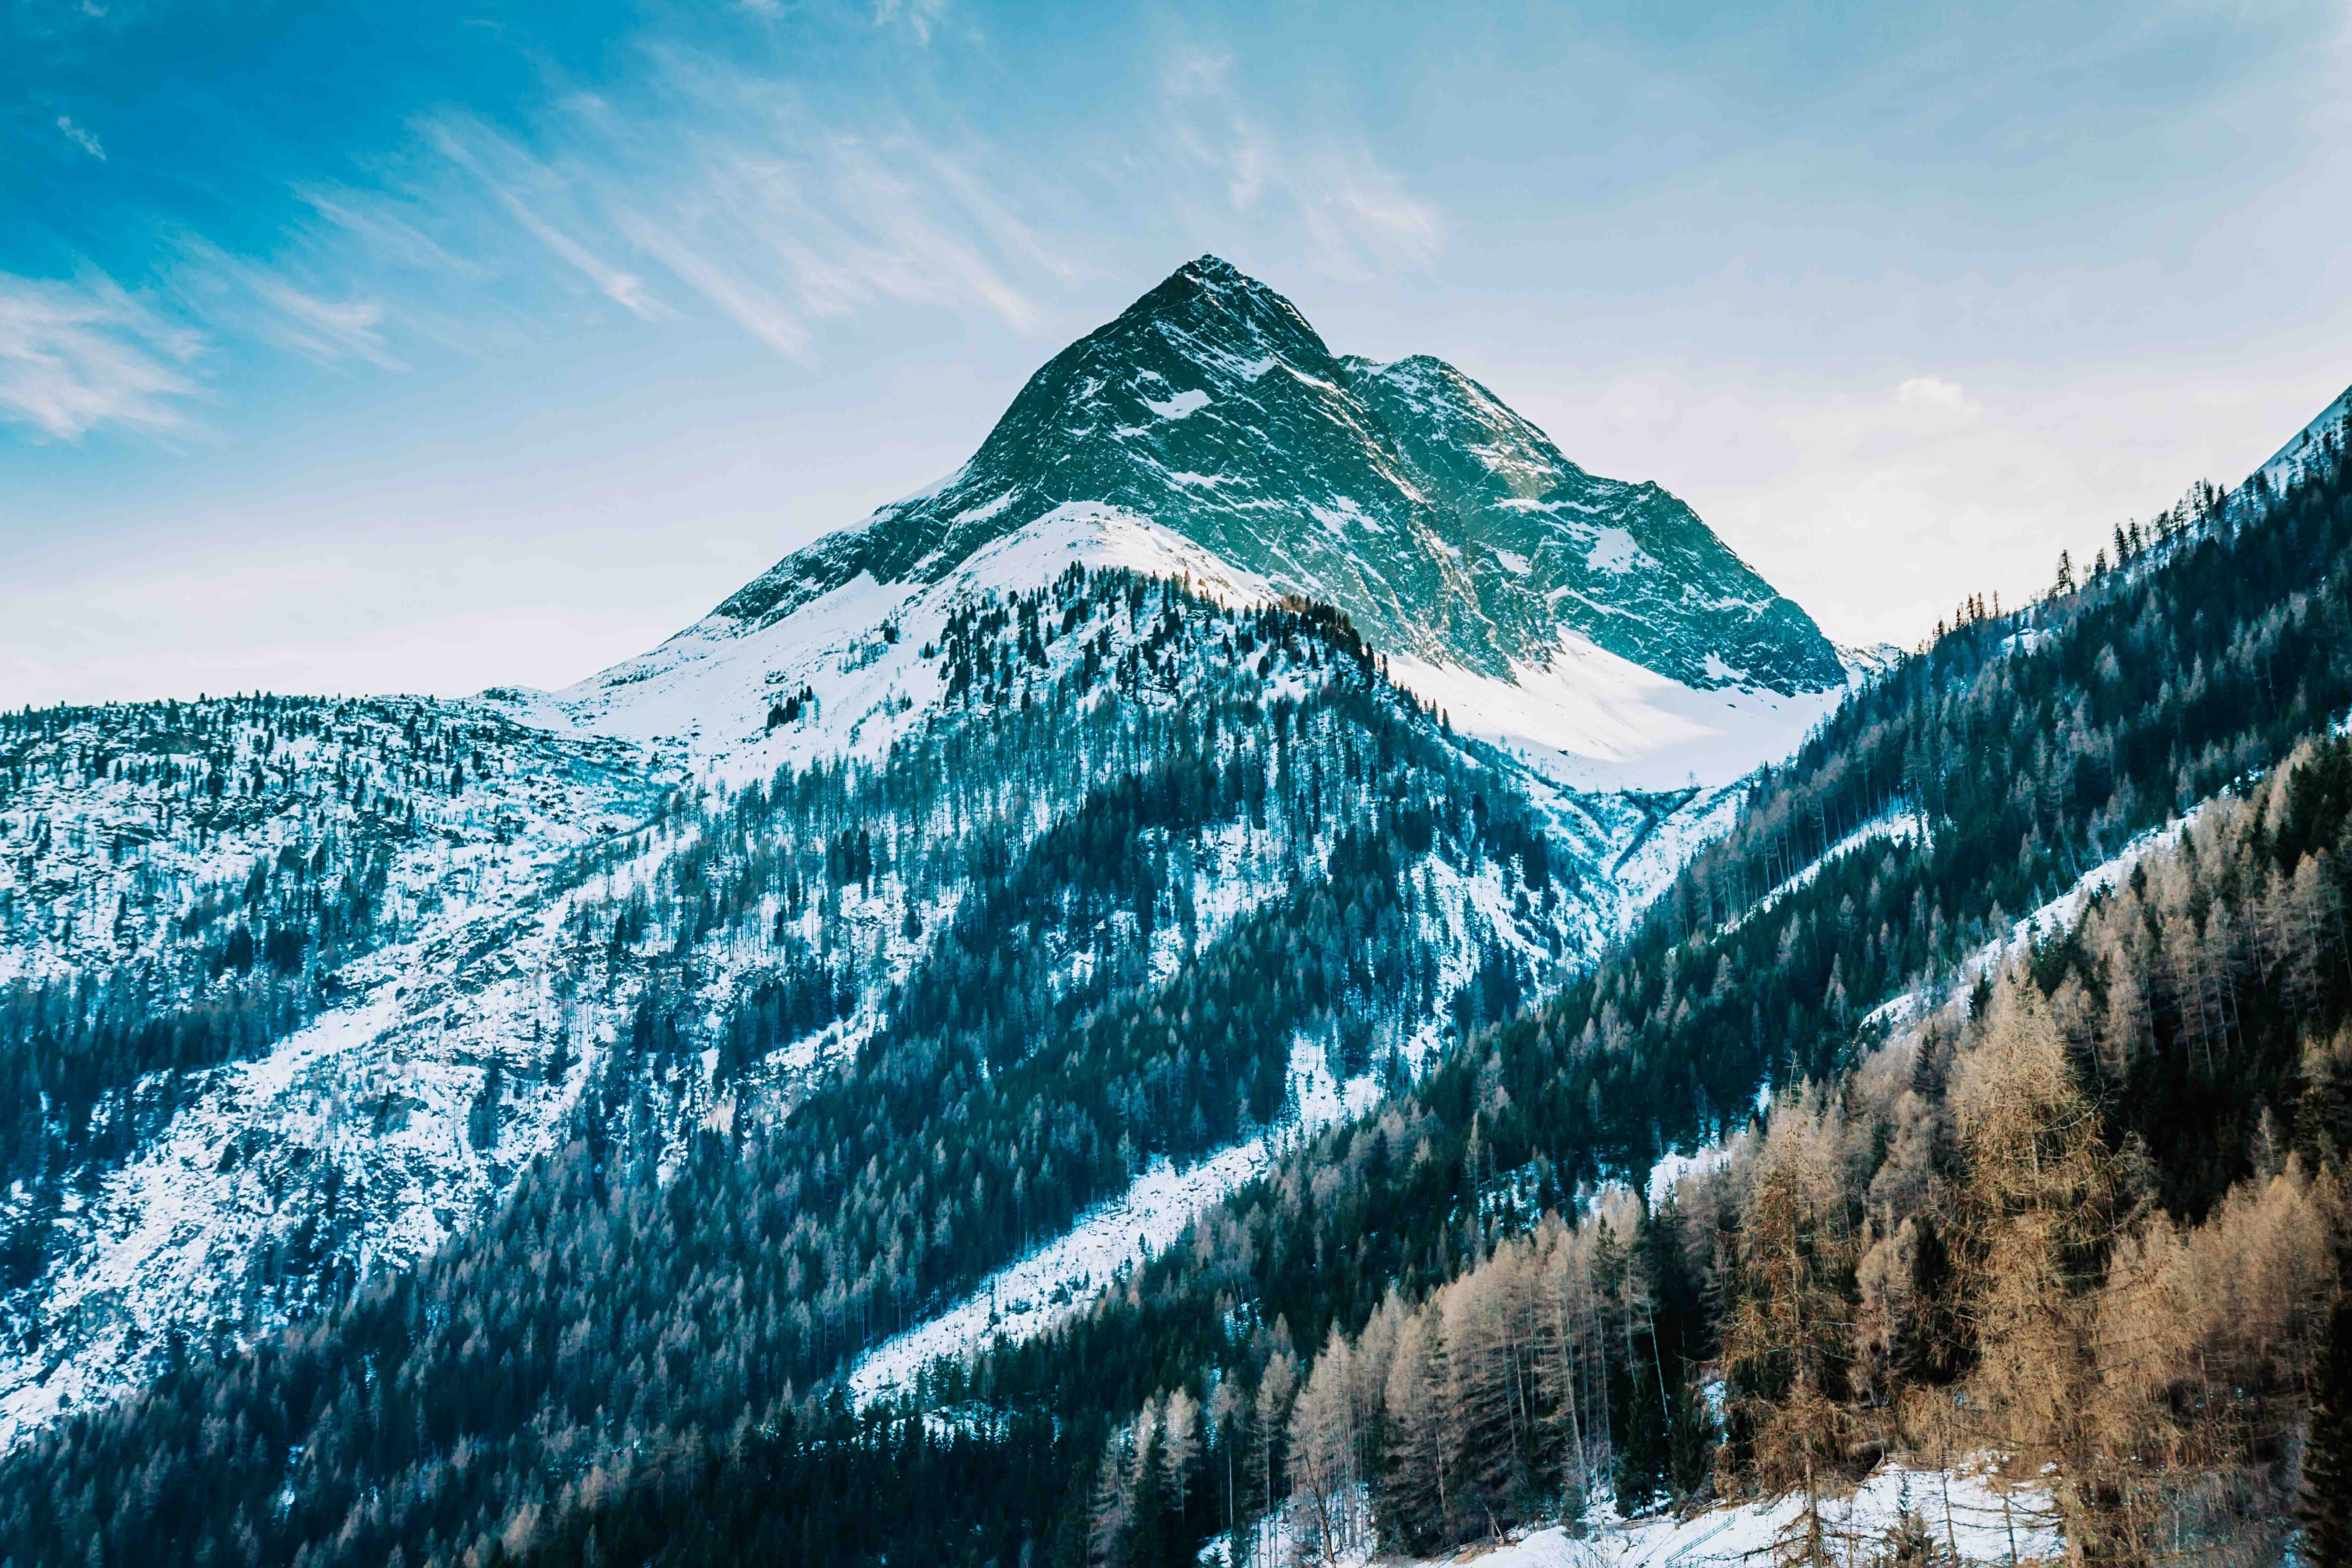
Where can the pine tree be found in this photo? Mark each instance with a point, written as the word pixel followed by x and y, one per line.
pixel 1416 1483
pixel 1323 1450
pixel 1691 1444
pixel 1909 1542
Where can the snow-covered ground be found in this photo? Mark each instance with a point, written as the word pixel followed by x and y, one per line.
pixel 2287 464
pixel 1597 721
pixel 1966 1510
pixel 1025 1297
pixel 706 691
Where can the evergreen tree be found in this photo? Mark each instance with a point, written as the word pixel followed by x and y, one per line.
pixel 2325 1505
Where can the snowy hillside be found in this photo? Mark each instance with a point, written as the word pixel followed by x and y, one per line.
pixel 2304 452
pixel 531 913
pixel 261 955
pixel 1221 650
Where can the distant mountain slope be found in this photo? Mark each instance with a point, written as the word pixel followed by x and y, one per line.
pixel 2309 447
pixel 1598 625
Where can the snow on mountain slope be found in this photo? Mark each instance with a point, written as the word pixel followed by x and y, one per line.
pixel 109 814
pixel 1895 828
pixel 288 944
pixel 2059 914
pixel 1596 625
pixel 1597 721
pixel 1464 915
pixel 2287 464
pixel 1028 1297
pixel 706 693
pixel 1589 719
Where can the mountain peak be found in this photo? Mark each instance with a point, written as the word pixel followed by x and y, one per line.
pixel 1210 306
pixel 1450 530
pixel 1213 270
pixel 1212 274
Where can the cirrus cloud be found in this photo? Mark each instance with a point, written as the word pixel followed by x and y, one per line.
pixel 80 354
pixel 1355 216
pixel 81 137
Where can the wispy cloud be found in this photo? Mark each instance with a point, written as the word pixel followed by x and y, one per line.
pixel 919 16
pixel 718 195
pixel 75 355
pixel 263 301
pixel 376 221
pixel 511 178
pixel 81 138
pixel 915 234
pixel 1357 216
pixel 749 305
pixel 731 192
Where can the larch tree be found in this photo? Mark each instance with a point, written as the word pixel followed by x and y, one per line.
pixel 1323 1452
pixel 2039 1204
pixel 1787 1334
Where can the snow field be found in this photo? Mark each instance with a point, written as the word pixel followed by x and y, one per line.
pixel 1987 1519
pixel 1596 721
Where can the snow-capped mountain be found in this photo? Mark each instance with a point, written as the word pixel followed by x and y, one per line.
pixel 1593 625
pixel 1190 674
pixel 1061 921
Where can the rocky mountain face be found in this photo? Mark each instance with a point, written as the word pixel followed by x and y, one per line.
pixel 1103 816
pixel 1592 627
pixel 1407 495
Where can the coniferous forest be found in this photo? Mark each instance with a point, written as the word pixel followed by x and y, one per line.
pixel 1945 1180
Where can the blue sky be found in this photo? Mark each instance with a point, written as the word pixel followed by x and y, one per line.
pixel 426 347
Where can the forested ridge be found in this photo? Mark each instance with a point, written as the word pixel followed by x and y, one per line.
pixel 1076 1018
pixel 191 881
pixel 1072 1017
pixel 1977 1240
pixel 1439 1320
